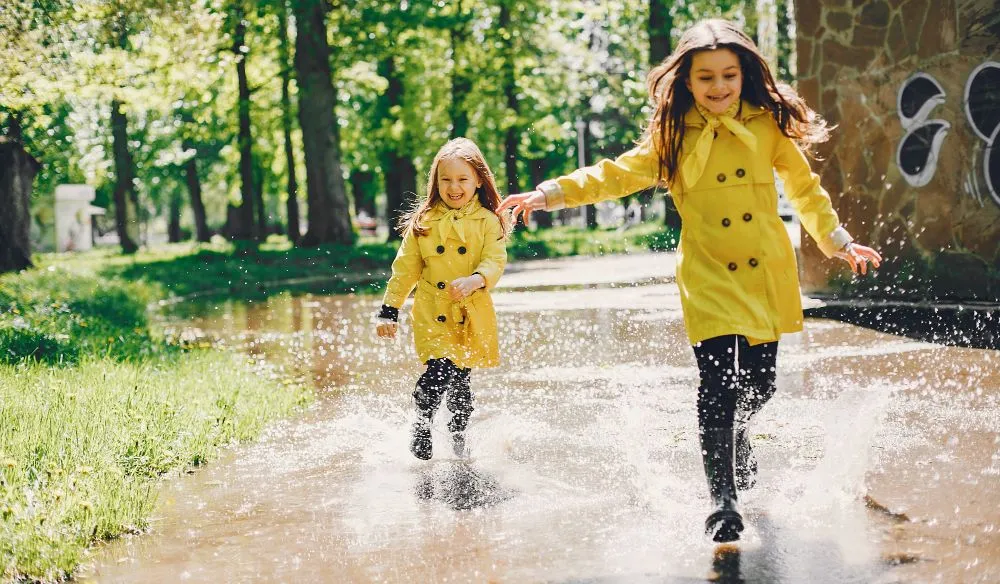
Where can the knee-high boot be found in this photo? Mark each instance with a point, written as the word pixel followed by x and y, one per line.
pixel 725 522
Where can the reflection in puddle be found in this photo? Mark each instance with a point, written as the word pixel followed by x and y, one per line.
pixel 460 485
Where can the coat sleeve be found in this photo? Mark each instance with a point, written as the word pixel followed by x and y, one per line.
pixel 633 171
pixel 406 269
pixel 494 256
pixel 811 201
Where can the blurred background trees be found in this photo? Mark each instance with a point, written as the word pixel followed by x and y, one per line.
pixel 316 118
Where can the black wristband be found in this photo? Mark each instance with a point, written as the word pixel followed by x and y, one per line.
pixel 389 312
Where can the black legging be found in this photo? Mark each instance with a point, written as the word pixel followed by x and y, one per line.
pixel 444 376
pixel 736 379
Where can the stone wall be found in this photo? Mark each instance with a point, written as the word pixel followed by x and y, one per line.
pixel 928 206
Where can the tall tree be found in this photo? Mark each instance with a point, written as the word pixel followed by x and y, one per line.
pixel 284 62
pixel 661 27
pixel 17 171
pixel 193 182
pixel 509 76
pixel 461 75
pixel 244 225
pixel 328 212
pixel 398 170
pixel 125 197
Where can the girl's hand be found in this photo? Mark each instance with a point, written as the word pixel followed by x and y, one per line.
pixel 523 204
pixel 462 287
pixel 386 329
pixel 859 256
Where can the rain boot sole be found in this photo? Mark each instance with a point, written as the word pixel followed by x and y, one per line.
pixel 724 526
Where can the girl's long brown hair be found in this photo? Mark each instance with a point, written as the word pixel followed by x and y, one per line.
pixel 487 193
pixel 672 99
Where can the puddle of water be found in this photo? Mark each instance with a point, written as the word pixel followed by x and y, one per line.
pixel 584 463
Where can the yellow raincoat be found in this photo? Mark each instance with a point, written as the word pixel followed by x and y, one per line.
pixel 736 268
pixel 459 243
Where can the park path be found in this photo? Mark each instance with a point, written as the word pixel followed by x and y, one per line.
pixel 879 456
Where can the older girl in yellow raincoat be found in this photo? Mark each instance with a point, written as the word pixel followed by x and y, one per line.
pixel 720 128
pixel 453 253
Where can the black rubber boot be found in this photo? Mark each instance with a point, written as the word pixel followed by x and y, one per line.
pixel 460 404
pixel 420 444
pixel 745 466
pixel 725 522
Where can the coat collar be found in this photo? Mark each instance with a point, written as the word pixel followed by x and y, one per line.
pixel 447 219
pixel 747 112
pixel 440 209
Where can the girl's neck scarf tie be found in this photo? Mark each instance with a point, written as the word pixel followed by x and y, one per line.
pixel 694 164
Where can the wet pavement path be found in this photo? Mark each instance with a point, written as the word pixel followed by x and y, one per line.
pixel 879 455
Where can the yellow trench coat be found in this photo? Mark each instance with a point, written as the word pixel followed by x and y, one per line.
pixel 736 268
pixel 459 242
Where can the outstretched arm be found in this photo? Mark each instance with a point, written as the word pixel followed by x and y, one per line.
pixel 812 205
pixel 630 173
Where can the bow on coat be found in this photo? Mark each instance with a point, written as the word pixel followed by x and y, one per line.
pixel 694 164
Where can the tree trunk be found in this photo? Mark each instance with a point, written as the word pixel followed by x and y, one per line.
pixel 512 137
pixel 401 187
pixel 197 205
pixel 786 43
pixel 17 172
pixel 328 212
pixel 536 168
pixel 590 211
pixel 292 201
pixel 125 220
pixel 14 128
pixel 661 26
pixel 461 80
pixel 174 218
pixel 364 195
pixel 398 171
pixel 244 225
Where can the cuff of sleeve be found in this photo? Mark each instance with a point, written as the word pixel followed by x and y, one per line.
pixel 555 199
pixel 836 241
pixel 389 313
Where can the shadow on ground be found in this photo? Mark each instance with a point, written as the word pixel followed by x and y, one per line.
pixel 975 325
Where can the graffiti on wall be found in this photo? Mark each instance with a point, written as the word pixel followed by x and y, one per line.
pixel 917 155
pixel 923 137
pixel 982 109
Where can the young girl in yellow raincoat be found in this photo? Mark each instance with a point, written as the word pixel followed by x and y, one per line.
pixel 721 126
pixel 453 253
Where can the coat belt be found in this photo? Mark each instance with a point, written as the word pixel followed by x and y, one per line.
pixel 461 311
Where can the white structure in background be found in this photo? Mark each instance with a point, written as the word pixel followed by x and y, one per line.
pixel 73 213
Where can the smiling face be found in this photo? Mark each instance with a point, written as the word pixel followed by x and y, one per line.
pixel 457 182
pixel 716 79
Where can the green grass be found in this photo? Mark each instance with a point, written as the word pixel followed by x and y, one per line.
pixel 95 406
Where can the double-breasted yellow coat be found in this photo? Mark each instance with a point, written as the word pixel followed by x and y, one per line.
pixel 736 267
pixel 459 243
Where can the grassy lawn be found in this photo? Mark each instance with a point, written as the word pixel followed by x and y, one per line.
pixel 95 407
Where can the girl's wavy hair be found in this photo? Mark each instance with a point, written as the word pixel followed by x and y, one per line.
pixel 487 193
pixel 672 99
